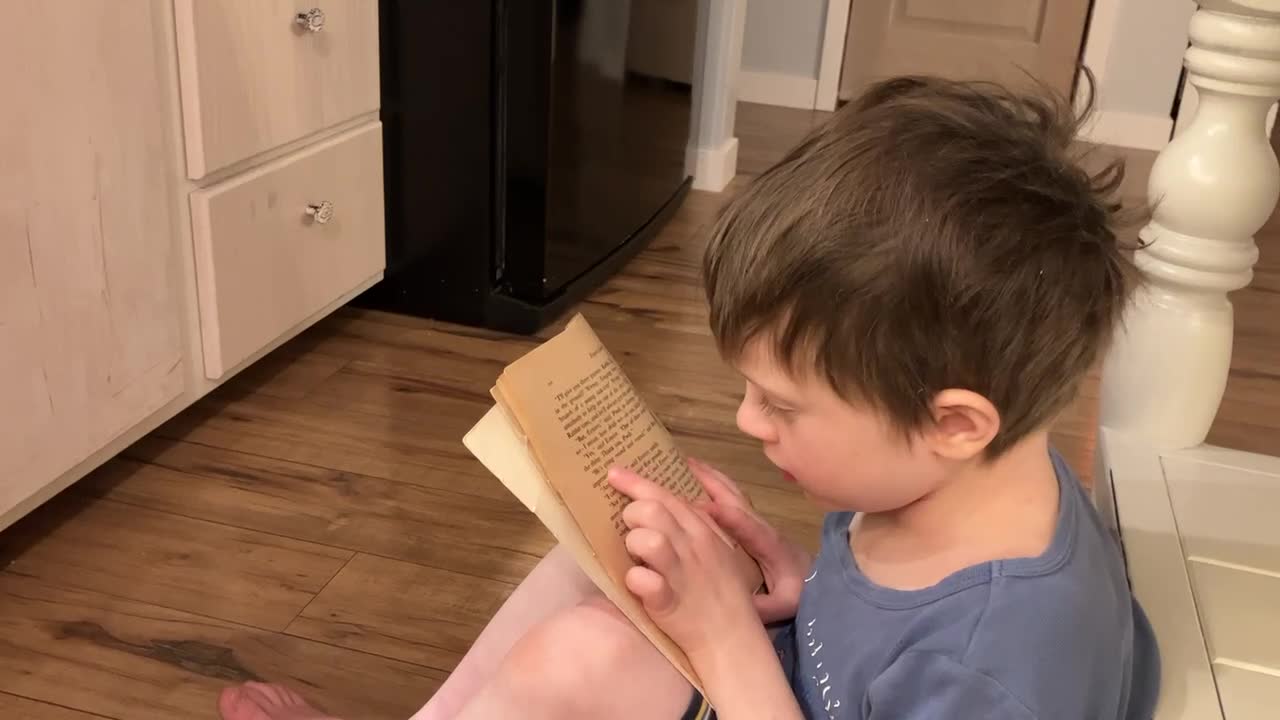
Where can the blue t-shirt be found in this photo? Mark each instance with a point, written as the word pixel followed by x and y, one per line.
pixel 1056 637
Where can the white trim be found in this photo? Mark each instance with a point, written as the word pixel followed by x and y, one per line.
pixel 713 168
pixel 831 62
pixel 712 154
pixel 1228 458
pixel 766 88
pixel 1158 573
pixel 1114 127
pixel 1097 44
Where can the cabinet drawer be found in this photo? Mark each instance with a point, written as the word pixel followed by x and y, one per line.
pixel 254 78
pixel 264 263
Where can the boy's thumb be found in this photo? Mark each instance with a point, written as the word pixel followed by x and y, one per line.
pixel 772 608
pixel 745 529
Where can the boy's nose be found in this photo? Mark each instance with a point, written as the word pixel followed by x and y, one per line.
pixel 753 422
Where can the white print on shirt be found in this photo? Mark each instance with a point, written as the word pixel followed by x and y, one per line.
pixel 830 705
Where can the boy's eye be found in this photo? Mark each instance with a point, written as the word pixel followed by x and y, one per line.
pixel 766 407
pixel 769 408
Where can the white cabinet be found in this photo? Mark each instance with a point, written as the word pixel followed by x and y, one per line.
pixel 128 290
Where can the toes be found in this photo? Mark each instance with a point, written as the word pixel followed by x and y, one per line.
pixel 228 701
pixel 289 697
pixel 235 703
pixel 264 701
pixel 268 695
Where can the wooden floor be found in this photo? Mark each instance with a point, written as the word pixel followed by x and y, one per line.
pixel 318 521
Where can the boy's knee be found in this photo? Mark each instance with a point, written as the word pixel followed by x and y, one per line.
pixel 564 661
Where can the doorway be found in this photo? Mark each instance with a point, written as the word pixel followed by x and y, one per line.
pixel 1015 42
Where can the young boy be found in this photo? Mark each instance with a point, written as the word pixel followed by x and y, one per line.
pixel 912 295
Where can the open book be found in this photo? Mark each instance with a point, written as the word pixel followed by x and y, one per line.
pixel 565 414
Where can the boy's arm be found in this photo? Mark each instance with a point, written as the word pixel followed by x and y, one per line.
pixel 743 678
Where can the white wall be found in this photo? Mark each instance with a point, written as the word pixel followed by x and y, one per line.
pixel 1135 49
pixel 784 36
pixel 780 51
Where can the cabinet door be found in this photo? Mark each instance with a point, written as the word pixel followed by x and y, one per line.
pixel 90 309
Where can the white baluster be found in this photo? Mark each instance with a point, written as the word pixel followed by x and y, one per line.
pixel 1214 186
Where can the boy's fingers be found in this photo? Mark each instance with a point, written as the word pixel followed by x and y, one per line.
pixel 652 589
pixel 652 515
pixel 771 608
pixel 637 487
pixel 749 531
pixel 714 483
pixel 651 548
pixel 703 511
pixel 634 485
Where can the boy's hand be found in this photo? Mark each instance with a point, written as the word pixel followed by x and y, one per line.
pixel 783 563
pixel 686 577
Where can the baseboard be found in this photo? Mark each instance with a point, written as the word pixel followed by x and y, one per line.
pixel 1132 130
pixel 768 88
pixel 713 168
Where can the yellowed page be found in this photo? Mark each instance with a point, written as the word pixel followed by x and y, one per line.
pixel 500 447
pixel 581 415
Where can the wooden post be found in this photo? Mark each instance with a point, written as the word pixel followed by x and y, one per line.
pixel 712 155
pixel 1212 188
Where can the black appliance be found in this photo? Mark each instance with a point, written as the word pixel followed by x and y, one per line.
pixel 525 159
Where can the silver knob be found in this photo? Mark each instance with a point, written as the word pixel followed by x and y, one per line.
pixel 311 20
pixel 321 212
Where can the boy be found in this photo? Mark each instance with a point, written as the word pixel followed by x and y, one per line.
pixel 912 294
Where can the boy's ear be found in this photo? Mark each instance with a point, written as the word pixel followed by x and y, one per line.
pixel 964 424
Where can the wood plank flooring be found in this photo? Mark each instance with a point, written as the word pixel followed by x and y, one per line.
pixel 317 521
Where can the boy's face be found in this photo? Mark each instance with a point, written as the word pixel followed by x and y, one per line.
pixel 842 456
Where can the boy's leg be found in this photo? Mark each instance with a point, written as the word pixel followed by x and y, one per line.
pixel 555 634
pixel 554 585
pixel 586 662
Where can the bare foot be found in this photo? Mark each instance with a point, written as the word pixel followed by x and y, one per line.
pixel 260 701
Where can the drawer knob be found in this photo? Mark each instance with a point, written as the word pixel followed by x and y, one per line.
pixel 311 20
pixel 321 212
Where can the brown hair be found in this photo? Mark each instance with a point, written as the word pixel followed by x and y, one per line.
pixel 933 234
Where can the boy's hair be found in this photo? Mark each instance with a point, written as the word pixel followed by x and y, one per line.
pixel 933 234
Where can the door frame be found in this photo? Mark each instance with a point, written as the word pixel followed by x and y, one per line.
pixel 831 61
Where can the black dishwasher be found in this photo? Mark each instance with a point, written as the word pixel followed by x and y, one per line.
pixel 526 158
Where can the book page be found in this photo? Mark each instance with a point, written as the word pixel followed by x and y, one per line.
pixel 503 451
pixel 581 415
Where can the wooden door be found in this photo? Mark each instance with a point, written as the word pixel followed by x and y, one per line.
pixel 90 306
pixel 1000 40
